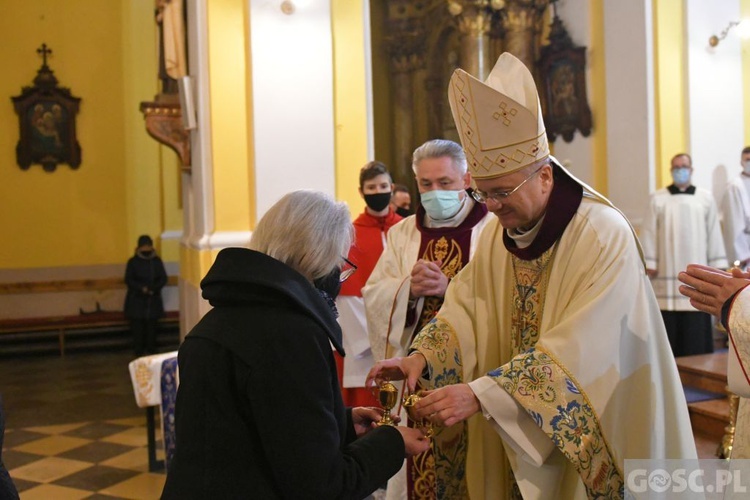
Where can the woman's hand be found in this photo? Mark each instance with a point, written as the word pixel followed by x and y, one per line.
pixel 415 441
pixel 365 418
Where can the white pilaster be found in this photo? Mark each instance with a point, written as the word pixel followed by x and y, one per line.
pixel 292 58
pixel 628 45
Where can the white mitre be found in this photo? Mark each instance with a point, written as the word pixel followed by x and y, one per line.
pixel 500 120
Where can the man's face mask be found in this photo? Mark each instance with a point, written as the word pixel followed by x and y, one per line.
pixel 403 211
pixel 681 175
pixel 441 204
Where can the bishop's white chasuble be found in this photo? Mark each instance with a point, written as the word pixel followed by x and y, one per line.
pixel 575 337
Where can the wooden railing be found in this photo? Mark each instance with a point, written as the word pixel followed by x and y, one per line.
pixel 80 285
pixel 62 325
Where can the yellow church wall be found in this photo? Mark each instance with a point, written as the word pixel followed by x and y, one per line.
pixel 350 99
pixel 105 52
pixel 228 85
pixel 670 86
pixel 170 203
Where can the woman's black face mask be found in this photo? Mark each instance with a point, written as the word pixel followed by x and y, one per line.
pixel 330 283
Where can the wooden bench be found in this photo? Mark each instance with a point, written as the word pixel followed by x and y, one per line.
pixel 62 325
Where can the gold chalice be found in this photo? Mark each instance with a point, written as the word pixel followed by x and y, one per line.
pixel 409 402
pixel 388 396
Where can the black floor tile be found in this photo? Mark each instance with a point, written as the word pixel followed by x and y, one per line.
pixel 23 485
pixel 96 478
pixel 96 452
pixel 18 437
pixel 96 430
pixel 14 458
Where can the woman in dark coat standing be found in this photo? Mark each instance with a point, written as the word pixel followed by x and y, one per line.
pixel 259 411
pixel 145 276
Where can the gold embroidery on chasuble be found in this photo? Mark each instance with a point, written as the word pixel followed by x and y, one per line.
pixel 439 344
pixel 448 252
pixel 530 278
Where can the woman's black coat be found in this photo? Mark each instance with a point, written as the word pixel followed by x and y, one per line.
pixel 143 272
pixel 259 411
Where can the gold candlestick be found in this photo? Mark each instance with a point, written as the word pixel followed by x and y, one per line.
pixel 388 395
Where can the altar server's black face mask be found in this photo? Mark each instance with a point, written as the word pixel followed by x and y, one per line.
pixel 330 283
pixel 378 201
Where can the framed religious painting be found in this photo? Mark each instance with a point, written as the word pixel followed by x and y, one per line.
pixel 47 122
pixel 562 68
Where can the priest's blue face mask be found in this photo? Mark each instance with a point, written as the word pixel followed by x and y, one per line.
pixel 442 204
pixel 681 175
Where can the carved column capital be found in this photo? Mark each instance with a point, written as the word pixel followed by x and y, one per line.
pixel 522 21
pixel 458 7
pixel 474 22
pixel 521 15
pixel 405 46
pixel 405 39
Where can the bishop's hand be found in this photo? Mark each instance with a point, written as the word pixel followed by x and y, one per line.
pixel 409 368
pixel 448 405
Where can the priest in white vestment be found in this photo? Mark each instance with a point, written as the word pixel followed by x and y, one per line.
pixel 726 295
pixel 423 253
pixel 735 214
pixel 549 354
pixel 682 227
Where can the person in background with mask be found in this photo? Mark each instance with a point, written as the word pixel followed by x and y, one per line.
pixel 259 413
pixel 145 276
pixel 682 227
pixel 401 200
pixel 370 229
pixel 735 214
pixel 424 252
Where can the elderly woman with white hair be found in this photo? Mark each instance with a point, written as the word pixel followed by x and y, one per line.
pixel 259 411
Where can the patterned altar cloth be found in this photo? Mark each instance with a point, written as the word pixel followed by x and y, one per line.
pixel 155 379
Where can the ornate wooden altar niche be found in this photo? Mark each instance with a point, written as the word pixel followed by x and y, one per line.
pixel 418 44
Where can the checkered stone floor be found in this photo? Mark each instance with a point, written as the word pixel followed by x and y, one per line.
pixel 73 430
